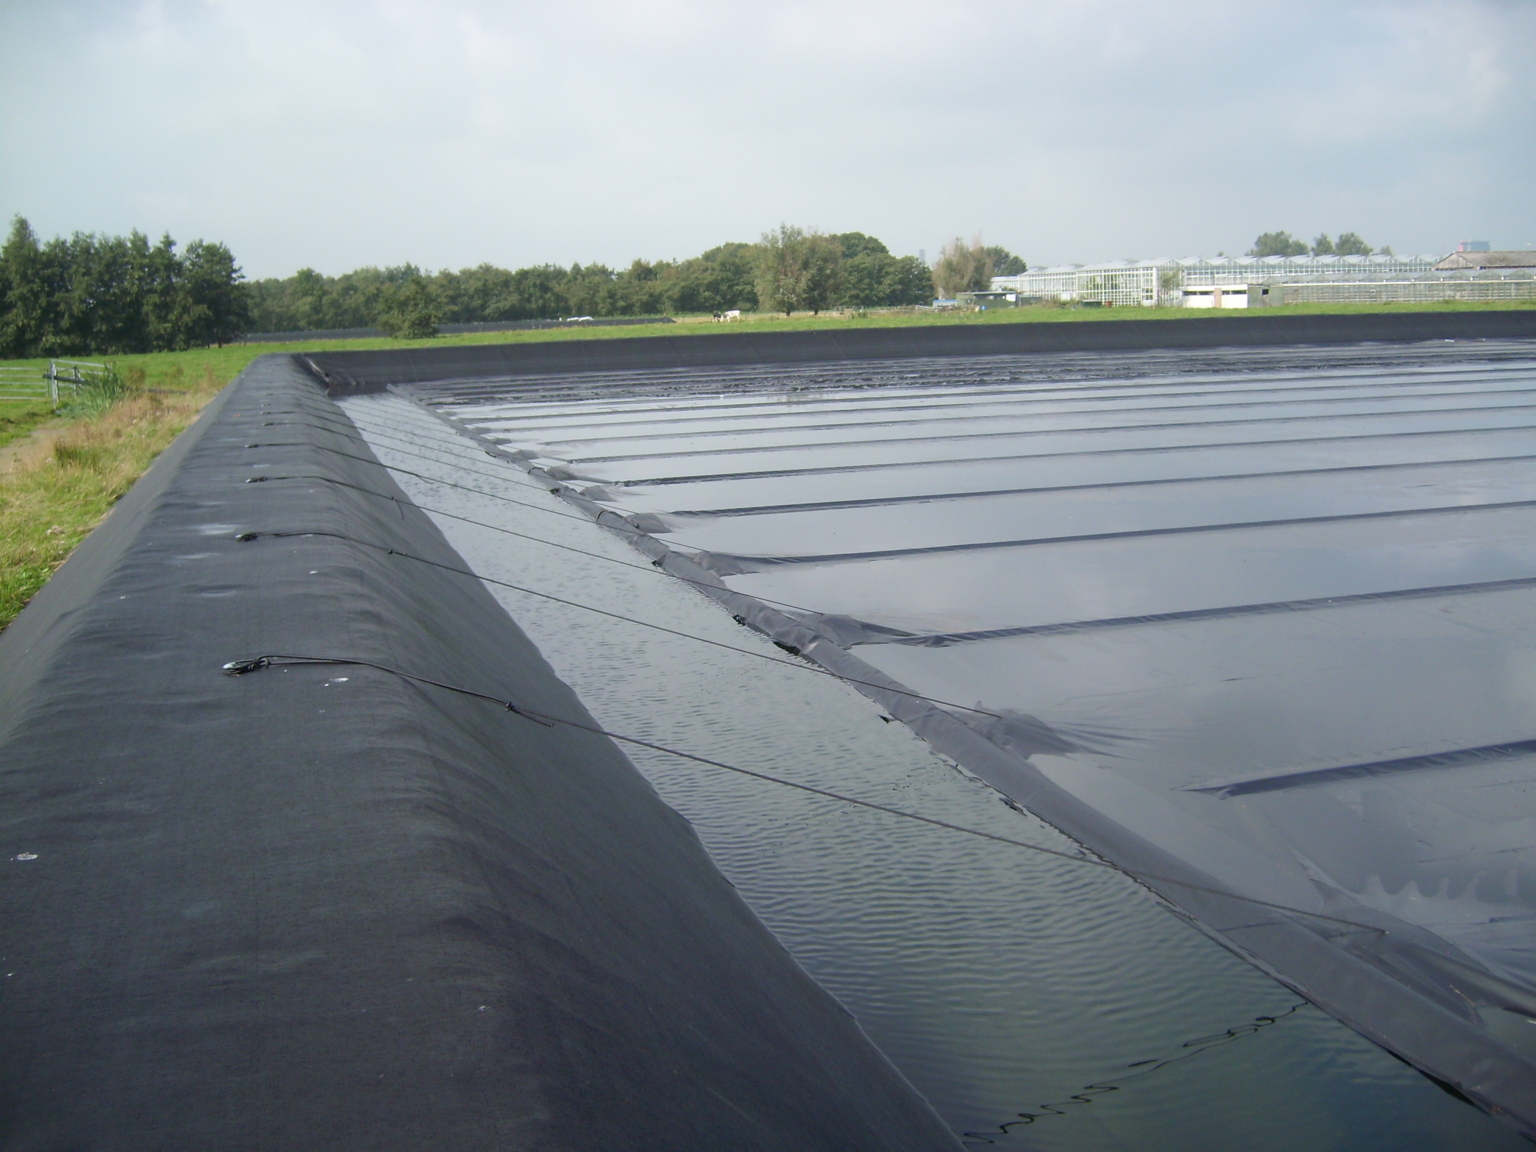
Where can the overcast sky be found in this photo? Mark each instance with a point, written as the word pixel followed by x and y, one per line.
pixel 452 132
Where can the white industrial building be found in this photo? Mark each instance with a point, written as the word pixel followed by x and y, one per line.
pixel 1261 281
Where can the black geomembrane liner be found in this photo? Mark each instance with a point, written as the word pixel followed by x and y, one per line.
pixel 326 907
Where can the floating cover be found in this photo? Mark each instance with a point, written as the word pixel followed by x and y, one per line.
pixel 1256 625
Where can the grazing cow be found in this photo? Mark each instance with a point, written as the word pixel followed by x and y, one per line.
pixel 733 314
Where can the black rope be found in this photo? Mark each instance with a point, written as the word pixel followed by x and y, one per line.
pixel 241 667
pixel 249 536
pixel 451 484
pixel 446 440
pixel 254 664
pixel 1133 1071
pixel 246 537
pixel 651 569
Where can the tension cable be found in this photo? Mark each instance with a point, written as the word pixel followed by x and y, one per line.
pixel 255 664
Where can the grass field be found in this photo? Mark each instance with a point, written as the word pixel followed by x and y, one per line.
pixel 56 487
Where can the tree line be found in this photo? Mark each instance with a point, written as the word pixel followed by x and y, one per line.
pixel 102 295
pixel 791 270
pixel 1284 244
pixel 404 300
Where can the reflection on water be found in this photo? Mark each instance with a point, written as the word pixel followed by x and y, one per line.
pixel 1035 1002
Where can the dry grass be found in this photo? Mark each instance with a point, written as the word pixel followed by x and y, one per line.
pixel 54 489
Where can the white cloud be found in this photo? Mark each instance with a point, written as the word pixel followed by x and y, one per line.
pixel 452 132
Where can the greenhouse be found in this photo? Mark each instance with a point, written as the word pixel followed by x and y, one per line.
pixel 1254 282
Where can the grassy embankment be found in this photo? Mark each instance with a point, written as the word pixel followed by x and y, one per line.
pixel 61 473
pixel 58 485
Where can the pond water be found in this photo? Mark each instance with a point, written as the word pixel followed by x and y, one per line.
pixel 1217 576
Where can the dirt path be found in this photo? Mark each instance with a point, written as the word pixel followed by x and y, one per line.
pixel 29 449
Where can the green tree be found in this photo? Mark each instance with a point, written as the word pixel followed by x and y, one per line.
pixel 864 263
pixel 213 297
pixel 856 244
pixel 908 280
pixel 1350 244
pixel 873 278
pixel 108 300
pixel 1004 262
pixel 962 267
pixel 823 257
pixel 168 309
pixel 583 291
pixel 798 270
pixel 541 292
pixel 308 303
pixel 297 304
pixel 716 281
pixel 474 294
pixel 411 310
pixel 850 268
pixel 730 277
pixel 1278 244
pixel 780 280
pixel 1323 246
pixel 26 292
pixel 864 281
pixel 355 299
pixel 641 289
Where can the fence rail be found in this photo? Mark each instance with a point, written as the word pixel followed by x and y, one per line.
pixel 62 378
pixel 23 384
